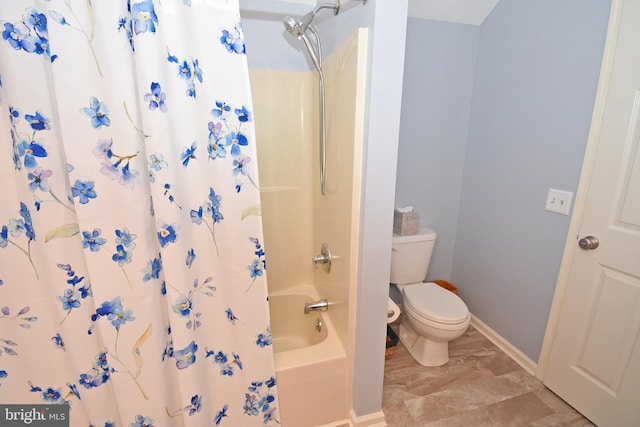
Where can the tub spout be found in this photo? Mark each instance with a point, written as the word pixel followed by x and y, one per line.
pixel 320 305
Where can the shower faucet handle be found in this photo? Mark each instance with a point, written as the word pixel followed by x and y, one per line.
pixel 324 258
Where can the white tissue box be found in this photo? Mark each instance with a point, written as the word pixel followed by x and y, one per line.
pixel 405 223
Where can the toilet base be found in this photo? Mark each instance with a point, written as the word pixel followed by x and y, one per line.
pixel 425 351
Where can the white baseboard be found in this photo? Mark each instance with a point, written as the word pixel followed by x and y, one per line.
pixel 370 420
pixel 519 357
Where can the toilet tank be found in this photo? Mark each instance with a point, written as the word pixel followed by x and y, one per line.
pixel 410 256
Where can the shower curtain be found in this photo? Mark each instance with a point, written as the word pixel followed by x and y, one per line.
pixel 132 284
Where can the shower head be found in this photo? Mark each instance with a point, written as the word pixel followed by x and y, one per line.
pixel 299 27
pixel 293 26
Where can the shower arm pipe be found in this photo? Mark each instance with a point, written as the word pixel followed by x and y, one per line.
pixel 308 18
pixel 323 140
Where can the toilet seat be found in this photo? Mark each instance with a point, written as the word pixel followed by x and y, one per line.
pixel 435 303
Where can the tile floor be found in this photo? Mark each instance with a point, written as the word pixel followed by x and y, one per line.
pixel 479 386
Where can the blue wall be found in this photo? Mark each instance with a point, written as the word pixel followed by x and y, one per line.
pixel 440 66
pixel 534 87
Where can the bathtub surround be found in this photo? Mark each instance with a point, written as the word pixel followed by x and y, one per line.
pixel 298 220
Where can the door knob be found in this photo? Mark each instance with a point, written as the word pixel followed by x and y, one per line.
pixel 589 242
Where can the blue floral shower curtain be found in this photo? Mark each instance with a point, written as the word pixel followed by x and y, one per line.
pixel 132 282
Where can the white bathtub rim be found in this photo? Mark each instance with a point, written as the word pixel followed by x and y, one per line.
pixel 304 289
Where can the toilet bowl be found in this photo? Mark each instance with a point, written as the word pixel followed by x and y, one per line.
pixel 431 315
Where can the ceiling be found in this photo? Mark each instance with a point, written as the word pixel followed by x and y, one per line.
pixel 472 12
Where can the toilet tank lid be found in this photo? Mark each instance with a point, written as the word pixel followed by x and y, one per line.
pixel 424 234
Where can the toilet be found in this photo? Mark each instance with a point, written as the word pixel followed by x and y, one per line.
pixel 432 315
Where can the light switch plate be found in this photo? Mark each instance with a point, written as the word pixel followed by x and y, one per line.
pixel 559 201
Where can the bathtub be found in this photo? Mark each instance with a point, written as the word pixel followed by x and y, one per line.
pixel 310 365
pixel 314 371
pixel 295 330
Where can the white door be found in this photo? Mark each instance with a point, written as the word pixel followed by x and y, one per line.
pixel 594 361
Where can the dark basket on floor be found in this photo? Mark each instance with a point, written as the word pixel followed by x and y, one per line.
pixel 392 342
